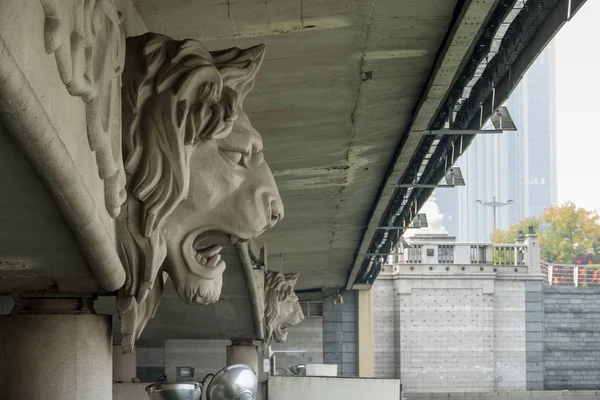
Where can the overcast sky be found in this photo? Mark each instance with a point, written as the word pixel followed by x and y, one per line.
pixel 578 107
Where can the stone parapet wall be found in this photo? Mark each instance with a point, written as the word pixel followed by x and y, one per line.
pixel 479 334
pixel 451 334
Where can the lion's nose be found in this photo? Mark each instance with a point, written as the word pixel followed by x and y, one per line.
pixel 276 212
pixel 300 313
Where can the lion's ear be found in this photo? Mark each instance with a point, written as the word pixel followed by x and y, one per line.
pixel 239 67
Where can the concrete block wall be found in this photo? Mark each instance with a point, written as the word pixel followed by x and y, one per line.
pixel 571 321
pixel 340 334
pixel 206 356
pixel 150 359
pixel 209 356
pixel 308 336
pixel 535 338
pixel 449 335
pixel 509 335
pixel 384 311
pixel 447 338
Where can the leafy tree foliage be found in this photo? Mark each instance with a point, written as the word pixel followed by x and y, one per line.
pixel 510 235
pixel 571 234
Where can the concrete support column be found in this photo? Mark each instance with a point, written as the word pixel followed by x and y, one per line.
pixel 51 353
pixel 366 342
pixel 243 352
pixel 124 365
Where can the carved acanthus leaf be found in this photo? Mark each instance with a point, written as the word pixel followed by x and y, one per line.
pixel 89 46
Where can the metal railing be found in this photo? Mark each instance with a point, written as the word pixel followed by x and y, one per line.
pixel 479 254
pixel 446 254
pixel 571 274
pixel 414 254
pixel 508 254
pixel 465 254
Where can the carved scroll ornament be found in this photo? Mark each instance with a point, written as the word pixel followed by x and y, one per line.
pixel 88 43
pixel 282 309
pixel 194 164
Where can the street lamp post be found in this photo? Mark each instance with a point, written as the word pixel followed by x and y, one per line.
pixel 494 204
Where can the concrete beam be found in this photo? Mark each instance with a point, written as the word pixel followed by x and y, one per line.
pixel 450 61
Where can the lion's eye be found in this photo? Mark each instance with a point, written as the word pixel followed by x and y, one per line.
pixel 234 156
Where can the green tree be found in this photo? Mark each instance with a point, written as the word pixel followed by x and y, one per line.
pixel 510 235
pixel 569 230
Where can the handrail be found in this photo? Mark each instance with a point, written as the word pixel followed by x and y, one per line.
pixel 587 275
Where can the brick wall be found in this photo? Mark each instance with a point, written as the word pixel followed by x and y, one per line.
pixel 571 338
pixel 340 334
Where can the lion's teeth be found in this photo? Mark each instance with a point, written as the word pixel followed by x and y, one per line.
pixel 210 251
pixel 213 261
pixel 200 259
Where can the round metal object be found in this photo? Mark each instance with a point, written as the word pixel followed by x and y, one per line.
pixel 174 391
pixel 299 369
pixel 236 382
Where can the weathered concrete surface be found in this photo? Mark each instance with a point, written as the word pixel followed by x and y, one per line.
pixel 55 357
pixel 49 233
pixel 335 94
pixel 317 388
pixel 129 391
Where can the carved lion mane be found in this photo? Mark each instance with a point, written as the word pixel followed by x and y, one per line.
pixel 279 290
pixel 176 95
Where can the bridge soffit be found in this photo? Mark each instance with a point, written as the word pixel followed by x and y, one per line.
pixel 178 158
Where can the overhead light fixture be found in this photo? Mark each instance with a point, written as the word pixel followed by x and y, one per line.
pixel 338 299
pixel 420 221
pixel 454 178
pixel 502 120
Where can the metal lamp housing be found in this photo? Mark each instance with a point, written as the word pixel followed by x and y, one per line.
pixel 174 391
pixel 236 382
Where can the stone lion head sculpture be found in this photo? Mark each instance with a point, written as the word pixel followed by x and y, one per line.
pixel 282 309
pixel 194 165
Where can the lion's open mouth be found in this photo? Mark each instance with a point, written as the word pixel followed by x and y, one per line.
pixel 210 256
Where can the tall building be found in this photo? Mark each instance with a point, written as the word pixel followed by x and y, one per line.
pixel 518 166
